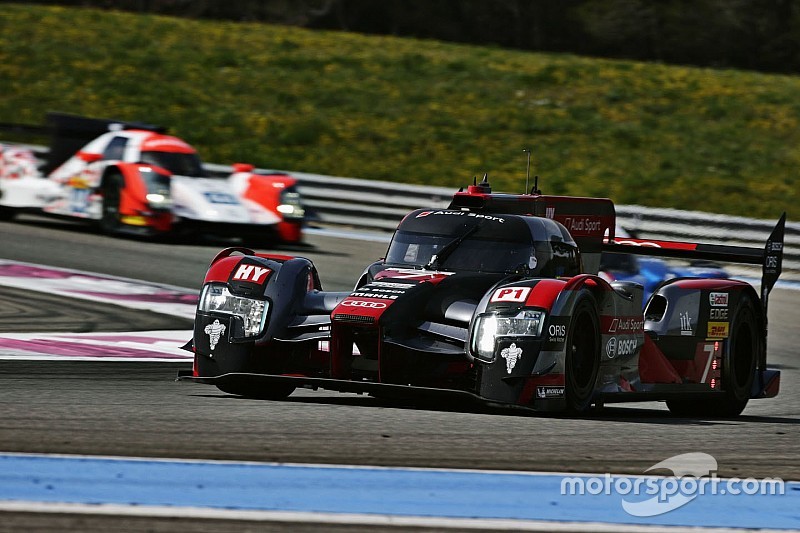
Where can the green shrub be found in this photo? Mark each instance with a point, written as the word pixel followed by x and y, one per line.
pixel 415 111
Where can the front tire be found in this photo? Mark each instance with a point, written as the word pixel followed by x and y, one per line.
pixel 582 361
pixel 110 222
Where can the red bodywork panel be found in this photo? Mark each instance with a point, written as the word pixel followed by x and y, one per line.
pixel 654 367
pixel 158 142
pixel 133 199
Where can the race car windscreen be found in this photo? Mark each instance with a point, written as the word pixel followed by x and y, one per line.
pixel 472 254
pixel 179 164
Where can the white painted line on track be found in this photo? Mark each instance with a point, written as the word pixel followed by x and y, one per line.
pixel 348 519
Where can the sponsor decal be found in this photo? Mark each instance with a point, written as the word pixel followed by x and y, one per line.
pixel 410 273
pixel 771 262
pixel 512 354
pixel 550 212
pixel 686 324
pixel 251 273
pixel 383 289
pixel 78 182
pixel 611 348
pixel 462 214
pixel 718 314
pixel 718 330
pixel 133 220
pixel 222 198
pixel 626 325
pixel 556 333
pixel 718 299
pixel 366 294
pixel 214 332
pixel 390 285
pixel 549 391
pixel 621 347
pixel 510 294
pixel 775 246
pixel 584 225
pixel 364 304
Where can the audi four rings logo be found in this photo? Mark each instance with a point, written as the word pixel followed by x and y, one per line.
pixel 362 303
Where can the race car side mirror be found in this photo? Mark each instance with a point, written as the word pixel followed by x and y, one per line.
pixel 89 157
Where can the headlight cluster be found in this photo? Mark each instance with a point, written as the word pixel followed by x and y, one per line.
pixel 488 327
pixel 218 299
pixel 158 190
pixel 159 201
pixel 290 206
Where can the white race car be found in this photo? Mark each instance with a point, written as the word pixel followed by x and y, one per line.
pixel 133 178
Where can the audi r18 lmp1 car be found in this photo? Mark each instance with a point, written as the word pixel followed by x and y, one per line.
pixel 495 299
pixel 132 178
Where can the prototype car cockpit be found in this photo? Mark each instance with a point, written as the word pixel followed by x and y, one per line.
pixel 466 241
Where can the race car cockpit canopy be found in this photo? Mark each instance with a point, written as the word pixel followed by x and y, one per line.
pixel 457 240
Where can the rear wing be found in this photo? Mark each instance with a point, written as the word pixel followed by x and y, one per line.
pixel 770 257
pixel 70 133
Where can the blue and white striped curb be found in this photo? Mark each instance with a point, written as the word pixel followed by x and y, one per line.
pixel 309 490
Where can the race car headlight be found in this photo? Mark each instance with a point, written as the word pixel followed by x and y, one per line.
pixel 159 200
pixel 218 299
pixel 488 327
pixel 290 206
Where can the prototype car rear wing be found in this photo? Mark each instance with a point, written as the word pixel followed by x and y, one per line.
pixel 770 257
pixel 72 132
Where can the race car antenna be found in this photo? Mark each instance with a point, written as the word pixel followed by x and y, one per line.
pixel 535 189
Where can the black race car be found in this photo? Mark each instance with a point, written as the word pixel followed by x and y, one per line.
pixel 495 299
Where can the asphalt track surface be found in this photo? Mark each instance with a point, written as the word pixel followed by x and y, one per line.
pixel 136 409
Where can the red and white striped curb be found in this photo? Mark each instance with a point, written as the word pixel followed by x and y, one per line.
pixel 159 346
pixel 165 299
pixel 162 346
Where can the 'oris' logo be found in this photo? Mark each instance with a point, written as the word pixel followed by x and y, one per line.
pixel 362 303
pixel 558 330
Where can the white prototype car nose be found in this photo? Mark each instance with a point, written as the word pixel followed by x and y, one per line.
pixel 212 200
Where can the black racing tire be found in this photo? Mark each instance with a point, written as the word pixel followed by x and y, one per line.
pixel 582 355
pixel 743 350
pixel 274 391
pixel 7 214
pixel 110 222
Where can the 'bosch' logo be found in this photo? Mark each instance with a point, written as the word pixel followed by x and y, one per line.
pixel 364 304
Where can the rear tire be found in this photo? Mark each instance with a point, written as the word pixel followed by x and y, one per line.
pixel 742 352
pixel 582 361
